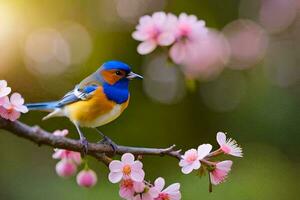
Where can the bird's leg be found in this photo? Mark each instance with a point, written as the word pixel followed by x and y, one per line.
pixel 83 141
pixel 107 140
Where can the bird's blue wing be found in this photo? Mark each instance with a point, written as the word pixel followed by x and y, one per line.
pixel 77 95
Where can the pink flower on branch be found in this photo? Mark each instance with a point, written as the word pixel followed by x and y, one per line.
pixel 219 174
pixel 149 193
pixel 128 188
pixel 153 31
pixel 170 193
pixel 66 154
pixel 4 90
pixel 86 178
pixel 191 159
pixel 125 169
pixel 66 168
pixel 229 146
pixel 12 108
pixel 189 32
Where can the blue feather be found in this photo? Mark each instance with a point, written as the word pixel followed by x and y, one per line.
pixel 42 106
pixel 117 65
pixel 117 92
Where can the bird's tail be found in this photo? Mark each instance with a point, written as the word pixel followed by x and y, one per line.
pixel 46 106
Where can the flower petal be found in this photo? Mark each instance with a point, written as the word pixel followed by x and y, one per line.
pixel 196 165
pixel 14 115
pixel 140 36
pixel 137 165
pixel 115 177
pixel 183 163
pixel 177 53
pixel 116 166
pixel 139 187
pixel 16 99
pixel 165 39
pixel 127 158
pixel 146 47
pixel 159 183
pixel 203 150
pixel 21 108
pixel 4 91
pixel 221 138
pixel 225 165
pixel 4 100
pixel 137 176
pixel 187 169
pixel 172 188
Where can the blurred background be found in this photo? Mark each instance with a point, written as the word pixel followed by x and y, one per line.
pixel 251 91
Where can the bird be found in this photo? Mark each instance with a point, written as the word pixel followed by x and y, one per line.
pixel 97 100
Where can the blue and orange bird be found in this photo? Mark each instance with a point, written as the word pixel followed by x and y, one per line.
pixel 97 100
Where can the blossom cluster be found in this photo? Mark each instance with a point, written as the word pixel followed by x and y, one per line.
pixel 199 159
pixel 69 162
pixel 162 29
pixel 130 175
pixel 10 107
pixel 199 51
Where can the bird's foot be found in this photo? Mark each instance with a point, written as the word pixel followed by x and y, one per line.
pixel 84 143
pixel 108 141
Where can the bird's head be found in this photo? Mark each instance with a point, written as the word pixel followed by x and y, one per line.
pixel 116 73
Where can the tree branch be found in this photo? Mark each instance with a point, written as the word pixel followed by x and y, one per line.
pixel 97 150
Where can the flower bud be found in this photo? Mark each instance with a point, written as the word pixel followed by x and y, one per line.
pixel 86 178
pixel 66 168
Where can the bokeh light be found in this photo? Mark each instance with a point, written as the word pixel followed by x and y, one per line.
pixel 274 15
pixel 225 93
pixel 248 43
pixel 131 10
pixel 8 32
pixel 282 63
pixel 47 52
pixel 277 15
pixel 162 82
pixel 79 41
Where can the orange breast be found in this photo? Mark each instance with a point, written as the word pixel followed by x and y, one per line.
pixel 88 111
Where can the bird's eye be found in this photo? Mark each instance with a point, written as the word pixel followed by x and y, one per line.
pixel 119 73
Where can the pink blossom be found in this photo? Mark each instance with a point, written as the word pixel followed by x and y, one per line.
pixel 128 188
pixel 10 114
pixel 189 31
pixel 229 146
pixel 219 174
pixel 12 107
pixel 170 193
pixel 127 168
pixel 191 158
pixel 208 57
pixel 4 90
pixel 65 168
pixel 66 154
pixel 153 31
pixel 149 193
pixel 86 178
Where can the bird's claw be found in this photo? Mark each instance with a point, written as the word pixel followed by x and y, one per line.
pixel 108 141
pixel 84 143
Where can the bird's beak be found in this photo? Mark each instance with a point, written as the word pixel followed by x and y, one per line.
pixel 132 75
